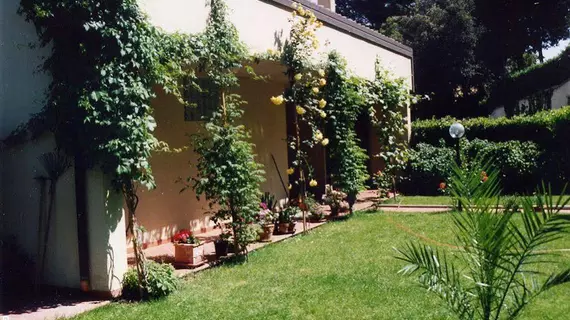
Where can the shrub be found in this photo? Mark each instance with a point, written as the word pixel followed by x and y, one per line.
pixel 161 282
pixel 545 128
pixel 518 164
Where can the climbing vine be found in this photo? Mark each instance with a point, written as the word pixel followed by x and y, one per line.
pixel 105 59
pixel 303 96
pixel 346 159
pixel 390 99
pixel 228 175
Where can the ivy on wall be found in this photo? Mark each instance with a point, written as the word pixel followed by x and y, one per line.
pixel 346 159
pixel 105 59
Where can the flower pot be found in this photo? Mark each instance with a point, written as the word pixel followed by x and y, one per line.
pixel 267 232
pixel 188 254
pixel 222 247
pixel 291 228
pixel 283 227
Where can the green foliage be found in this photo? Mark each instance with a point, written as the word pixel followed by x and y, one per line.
pixel 390 98
pixel 541 127
pixel 502 258
pixel 228 174
pixel 346 159
pixel 519 164
pixel 161 281
pixel 105 59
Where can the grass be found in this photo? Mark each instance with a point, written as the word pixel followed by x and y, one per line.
pixel 430 200
pixel 343 270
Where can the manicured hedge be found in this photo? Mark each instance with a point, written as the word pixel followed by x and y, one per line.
pixel 549 130
pixel 544 128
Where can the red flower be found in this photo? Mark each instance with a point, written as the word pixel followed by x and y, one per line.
pixel 484 179
pixel 442 185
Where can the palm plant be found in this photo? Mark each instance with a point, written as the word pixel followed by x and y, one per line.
pixel 500 254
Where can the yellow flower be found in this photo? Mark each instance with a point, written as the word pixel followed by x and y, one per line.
pixel 322 103
pixel 315 44
pixel 313 183
pixel 295 5
pixel 290 171
pixel 319 24
pixel 301 11
pixel 289 187
pixel 323 114
pixel 298 76
pixel 322 82
pixel 300 110
pixel 315 90
pixel 325 142
pixel 319 135
pixel 321 72
pixel 277 100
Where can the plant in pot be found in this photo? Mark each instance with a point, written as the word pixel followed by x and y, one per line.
pixel 316 212
pixel 284 220
pixel 222 243
pixel 294 214
pixel 188 250
pixel 334 199
pixel 266 219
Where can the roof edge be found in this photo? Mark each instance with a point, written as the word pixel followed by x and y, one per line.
pixel 346 25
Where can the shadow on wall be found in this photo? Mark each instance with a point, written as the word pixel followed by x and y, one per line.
pixel 22 84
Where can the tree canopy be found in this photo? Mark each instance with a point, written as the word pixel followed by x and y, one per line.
pixel 463 47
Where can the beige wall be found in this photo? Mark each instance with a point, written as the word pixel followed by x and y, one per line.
pixel 264 26
pixel 164 210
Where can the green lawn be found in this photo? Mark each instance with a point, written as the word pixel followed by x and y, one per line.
pixel 343 270
pixel 429 200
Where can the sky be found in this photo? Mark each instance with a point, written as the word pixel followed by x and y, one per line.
pixel 554 51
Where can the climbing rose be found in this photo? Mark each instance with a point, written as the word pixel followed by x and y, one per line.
pixel 277 100
pixel 290 171
pixel 300 110
pixel 325 142
pixel 298 76
pixel 315 90
pixel 323 114
pixel 322 82
pixel 322 103
pixel 313 183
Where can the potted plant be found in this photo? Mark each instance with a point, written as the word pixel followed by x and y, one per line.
pixel 292 216
pixel 222 244
pixel 265 219
pixel 334 199
pixel 187 249
pixel 315 210
pixel 284 219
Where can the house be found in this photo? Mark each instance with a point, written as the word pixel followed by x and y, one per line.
pixel 89 250
pixel 541 87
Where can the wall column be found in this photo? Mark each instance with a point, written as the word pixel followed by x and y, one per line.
pixel 107 235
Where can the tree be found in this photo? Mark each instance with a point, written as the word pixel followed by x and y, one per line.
pixel 373 12
pixel 444 37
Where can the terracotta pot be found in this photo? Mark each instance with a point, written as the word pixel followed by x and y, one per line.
pixel 265 235
pixel 190 254
pixel 222 247
pixel 291 228
pixel 283 227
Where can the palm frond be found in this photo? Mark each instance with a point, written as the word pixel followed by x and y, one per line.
pixel 438 276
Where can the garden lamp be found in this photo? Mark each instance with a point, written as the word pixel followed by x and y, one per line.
pixel 457 131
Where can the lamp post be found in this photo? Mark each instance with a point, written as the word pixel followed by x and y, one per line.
pixel 457 131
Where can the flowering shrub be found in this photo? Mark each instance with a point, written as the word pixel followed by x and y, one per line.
pixel 185 236
pixel 303 98
pixel 265 215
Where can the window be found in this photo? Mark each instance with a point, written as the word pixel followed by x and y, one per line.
pixel 202 101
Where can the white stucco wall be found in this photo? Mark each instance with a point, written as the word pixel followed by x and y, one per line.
pixel 21 85
pixel 20 197
pixel 561 95
pixel 265 26
pixel 22 89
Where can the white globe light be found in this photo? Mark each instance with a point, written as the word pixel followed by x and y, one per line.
pixel 456 130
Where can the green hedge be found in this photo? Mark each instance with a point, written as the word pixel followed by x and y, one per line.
pixel 549 130
pixel 519 164
pixel 544 128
